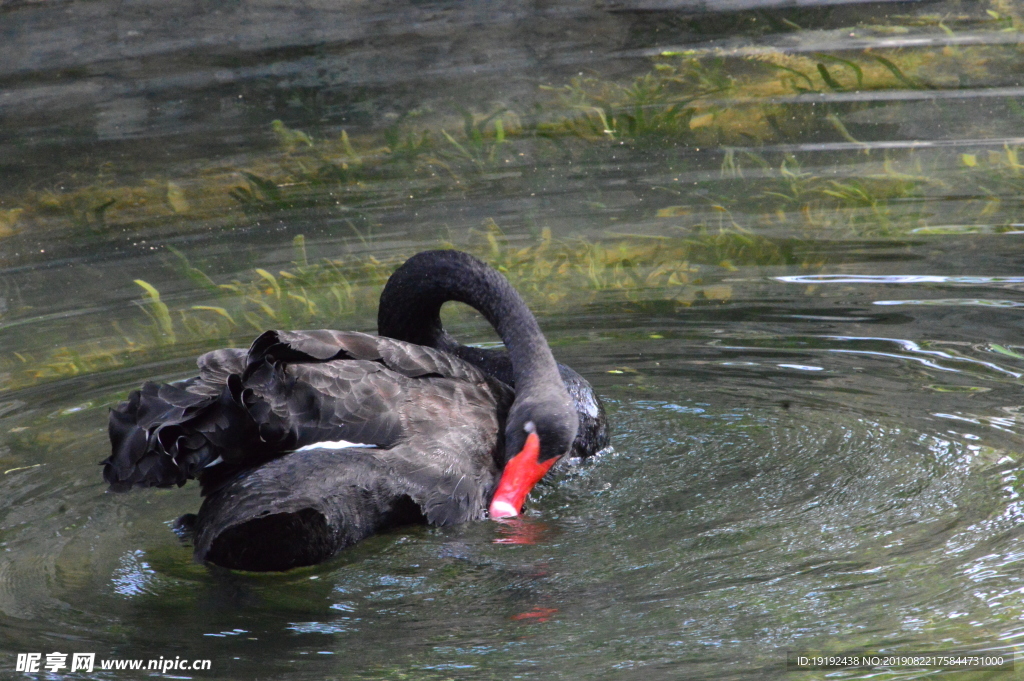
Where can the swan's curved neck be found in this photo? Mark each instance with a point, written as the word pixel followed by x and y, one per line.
pixel 410 310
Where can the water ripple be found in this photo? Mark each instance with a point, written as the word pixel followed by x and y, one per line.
pixel 895 279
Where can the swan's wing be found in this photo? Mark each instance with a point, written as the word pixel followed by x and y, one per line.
pixel 304 387
pixel 325 345
pixel 296 388
pixel 295 510
pixel 303 508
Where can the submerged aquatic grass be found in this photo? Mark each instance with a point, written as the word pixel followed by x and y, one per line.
pixel 550 273
pixel 711 99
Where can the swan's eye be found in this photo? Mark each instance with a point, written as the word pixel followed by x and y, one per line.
pixel 530 427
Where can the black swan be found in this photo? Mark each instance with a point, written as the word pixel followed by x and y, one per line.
pixel 312 440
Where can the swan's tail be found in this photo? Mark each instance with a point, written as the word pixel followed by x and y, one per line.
pixel 167 434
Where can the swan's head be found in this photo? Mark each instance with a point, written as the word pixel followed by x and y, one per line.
pixel 537 434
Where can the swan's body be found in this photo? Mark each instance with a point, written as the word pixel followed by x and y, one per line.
pixel 312 440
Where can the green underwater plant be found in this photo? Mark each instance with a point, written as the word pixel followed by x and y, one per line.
pixel 660 104
pixel 700 99
pixel 550 272
pixel 480 147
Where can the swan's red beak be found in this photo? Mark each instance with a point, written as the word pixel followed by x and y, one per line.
pixel 522 472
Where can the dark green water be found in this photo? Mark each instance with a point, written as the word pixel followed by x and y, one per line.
pixel 814 403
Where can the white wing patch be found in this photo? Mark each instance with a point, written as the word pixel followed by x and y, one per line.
pixel 334 444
